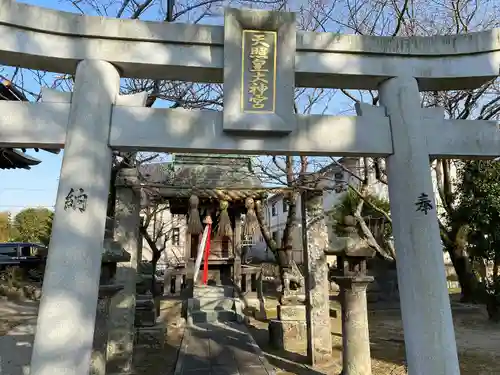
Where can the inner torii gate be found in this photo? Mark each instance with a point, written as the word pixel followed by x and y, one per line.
pixel 93 120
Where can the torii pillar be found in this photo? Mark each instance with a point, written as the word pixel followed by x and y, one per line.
pixel 66 317
pixel 425 304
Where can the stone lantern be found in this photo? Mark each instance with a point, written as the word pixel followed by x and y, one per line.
pixel 351 276
pixel 112 254
pixel 290 328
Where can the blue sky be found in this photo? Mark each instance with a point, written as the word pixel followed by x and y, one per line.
pixel 38 186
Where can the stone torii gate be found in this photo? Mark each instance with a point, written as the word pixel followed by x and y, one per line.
pixel 258 118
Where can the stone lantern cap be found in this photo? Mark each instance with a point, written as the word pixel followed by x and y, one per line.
pixel 351 245
pixel 113 252
pixel 109 290
pixel 359 252
pixel 351 248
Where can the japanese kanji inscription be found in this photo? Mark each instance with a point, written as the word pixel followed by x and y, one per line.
pixel 258 76
pixel 423 203
pixel 76 200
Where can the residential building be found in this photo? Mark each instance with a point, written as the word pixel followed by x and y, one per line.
pixel 337 176
pixel 169 231
pixel 335 183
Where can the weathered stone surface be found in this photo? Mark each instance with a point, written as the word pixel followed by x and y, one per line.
pixel 98 358
pixel 355 335
pixel 70 285
pixel 212 304
pixel 425 304
pixel 334 287
pixel 291 312
pixel 317 284
pixel 122 307
pixel 145 311
pixel 287 335
pixel 99 348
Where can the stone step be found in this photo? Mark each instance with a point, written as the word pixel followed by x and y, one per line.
pixel 209 303
pixel 150 337
pixel 213 295
pixel 213 291
pixel 213 316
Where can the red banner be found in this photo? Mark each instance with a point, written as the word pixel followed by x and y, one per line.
pixel 207 253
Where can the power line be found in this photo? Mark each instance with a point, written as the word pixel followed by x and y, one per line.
pixel 27 206
pixel 24 189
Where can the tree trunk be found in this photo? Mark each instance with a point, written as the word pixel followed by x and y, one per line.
pixel 466 277
pixel 156 254
pixel 287 239
pixel 154 263
pixel 493 295
pixel 455 243
pixel 270 242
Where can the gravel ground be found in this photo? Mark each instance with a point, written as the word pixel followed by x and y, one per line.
pixel 156 350
pixel 478 341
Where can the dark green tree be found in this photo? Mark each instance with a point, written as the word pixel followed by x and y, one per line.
pixel 370 212
pixel 5 226
pixel 33 225
pixel 479 196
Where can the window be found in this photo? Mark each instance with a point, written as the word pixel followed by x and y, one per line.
pixel 10 250
pixel 273 210
pixel 248 240
pixel 175 236
pixel 275 236
pixel 339 176
pixel 340 184
pixel 285 206
pixel 27 251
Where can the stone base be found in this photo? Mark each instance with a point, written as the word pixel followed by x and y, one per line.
pixel 100 343
pixel 287 335
pixel 291 312
pixel 150 338
pixel 145 311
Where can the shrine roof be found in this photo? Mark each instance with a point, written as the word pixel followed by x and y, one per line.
pixel 220 177
pixel 14 159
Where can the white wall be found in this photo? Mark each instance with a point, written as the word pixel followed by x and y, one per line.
pixel 277 222
pixel 167 224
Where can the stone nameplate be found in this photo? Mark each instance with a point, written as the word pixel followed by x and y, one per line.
pixel 259 71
